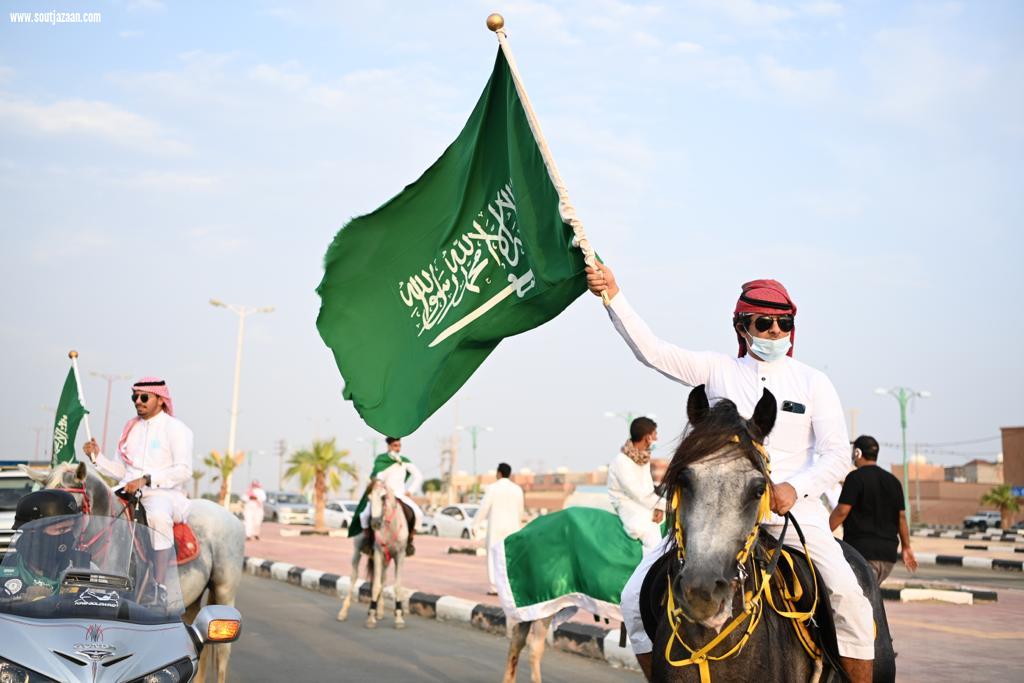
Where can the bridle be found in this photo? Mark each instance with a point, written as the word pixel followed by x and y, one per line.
pixel 753 599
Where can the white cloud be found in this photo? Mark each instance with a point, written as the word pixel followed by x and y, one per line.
pixel 92 118
pixel 750 12
pixel 545 20
pixel 804 85
pixel 288 76
pixel 824 8
pixel 687 47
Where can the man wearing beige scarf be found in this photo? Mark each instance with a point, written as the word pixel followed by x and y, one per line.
pixel 631 486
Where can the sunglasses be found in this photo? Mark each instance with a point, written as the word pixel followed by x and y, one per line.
pixel 140 397
pixel 763 323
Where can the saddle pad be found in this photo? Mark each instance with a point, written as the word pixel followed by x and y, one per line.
pixel 185 542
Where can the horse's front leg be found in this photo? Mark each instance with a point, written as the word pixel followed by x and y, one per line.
pixel 353 585
pixel 538 639
pixel 399 561
pixel 376 588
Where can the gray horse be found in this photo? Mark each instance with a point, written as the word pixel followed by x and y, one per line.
pixel 721 478
pixel 390 538
pixel 218 567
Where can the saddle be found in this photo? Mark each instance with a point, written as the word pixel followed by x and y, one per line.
pixel 792 579
pixel 410 521
pixel 186 546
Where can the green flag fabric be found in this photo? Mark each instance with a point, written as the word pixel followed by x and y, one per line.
pixel 380 463
pixel 577 558
pixel 416 294
pixel 70 412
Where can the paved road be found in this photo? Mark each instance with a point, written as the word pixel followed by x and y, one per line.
pixel 290 634
pixel 990 578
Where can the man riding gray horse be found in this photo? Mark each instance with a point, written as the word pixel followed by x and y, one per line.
pixel 808 448
pixel 154 455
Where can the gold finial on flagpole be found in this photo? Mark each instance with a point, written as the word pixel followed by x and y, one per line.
pixel 72 354
pixel 495 22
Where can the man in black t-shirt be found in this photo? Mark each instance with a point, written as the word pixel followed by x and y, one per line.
pixel 872 513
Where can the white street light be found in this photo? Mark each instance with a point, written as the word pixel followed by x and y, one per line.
pixel 241 312
pixel 904 395
pixel 473 430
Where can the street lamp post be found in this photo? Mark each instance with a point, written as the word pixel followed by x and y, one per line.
pixel 106 411
pixel 241 312
pixel 904 395
pixel 473 431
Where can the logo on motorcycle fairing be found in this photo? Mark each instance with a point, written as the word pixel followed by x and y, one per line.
pixel 13 586
pixel 94 649
pixel 97 597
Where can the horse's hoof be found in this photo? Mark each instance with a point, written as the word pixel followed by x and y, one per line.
pixel 371 623
pixel 342 615
pixel 399 623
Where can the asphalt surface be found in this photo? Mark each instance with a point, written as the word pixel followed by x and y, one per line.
pixel 290 634
pixel 990 578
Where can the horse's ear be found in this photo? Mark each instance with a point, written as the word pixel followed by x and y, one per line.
pixel 697 406
pixel 765 413
pixel 81 472
pixel 34 474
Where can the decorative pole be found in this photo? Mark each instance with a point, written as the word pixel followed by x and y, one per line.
pixel 496 23
pixel 73 355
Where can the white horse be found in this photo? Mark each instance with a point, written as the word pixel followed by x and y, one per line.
pixel 390 537
pixel 218 567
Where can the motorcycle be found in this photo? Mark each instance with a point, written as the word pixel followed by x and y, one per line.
pixel 85 598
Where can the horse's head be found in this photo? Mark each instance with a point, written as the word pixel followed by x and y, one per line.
pixel 380 496
pixel 86 486
pixel 716 482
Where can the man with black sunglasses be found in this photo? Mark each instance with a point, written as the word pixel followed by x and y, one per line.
pixel 808 445
pixel 154 455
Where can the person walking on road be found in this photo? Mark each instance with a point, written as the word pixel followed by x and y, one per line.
pixel 255 497
pixel 631 486
pixel 501 510
pixel 872 514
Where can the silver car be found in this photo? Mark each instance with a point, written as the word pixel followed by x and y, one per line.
pixel 287 508
pixel 75 610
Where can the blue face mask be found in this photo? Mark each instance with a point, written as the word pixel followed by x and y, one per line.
pixel 769 350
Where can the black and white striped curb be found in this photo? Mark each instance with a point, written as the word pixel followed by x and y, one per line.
pixel 582 639
pixel 997 549
pixel 1005 537
pixel 969 562
pixel 917 591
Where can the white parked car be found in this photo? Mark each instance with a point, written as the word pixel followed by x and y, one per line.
pixel 338 513
pixel 454 521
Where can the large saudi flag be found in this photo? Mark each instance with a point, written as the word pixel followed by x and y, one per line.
pixel 70 412
pixel 416 294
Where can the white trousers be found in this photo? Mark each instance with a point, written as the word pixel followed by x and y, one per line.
pixel 253 517
pixel 850 609
pixel 164 507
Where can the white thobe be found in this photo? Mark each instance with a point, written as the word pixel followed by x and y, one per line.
pixel 631 489
pixel 253 512
pixel 393 477
pixel 162 448
pixel 502 511
pixel 809 449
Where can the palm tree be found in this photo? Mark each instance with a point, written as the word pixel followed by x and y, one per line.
pixel 197 474
pixel 223 466
pixel 322 465
pixel 1001 497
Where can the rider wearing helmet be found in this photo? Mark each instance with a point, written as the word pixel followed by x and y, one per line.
pixel 42 547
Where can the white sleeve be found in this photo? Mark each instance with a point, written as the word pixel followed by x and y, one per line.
pixel 415 478
pixel 485 508
pixel 179 439
pixel 111 468
pixel 831 443
pixel 634 486
pixel 687 367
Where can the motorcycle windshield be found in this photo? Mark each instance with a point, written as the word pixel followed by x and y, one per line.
pixel 85 567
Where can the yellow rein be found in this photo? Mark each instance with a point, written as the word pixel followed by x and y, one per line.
pixel 753 608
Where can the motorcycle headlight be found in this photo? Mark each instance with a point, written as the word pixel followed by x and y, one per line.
pixel 180 670
pixel 12 673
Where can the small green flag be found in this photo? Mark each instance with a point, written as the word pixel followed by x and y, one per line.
pixel 70 412
pixel 416 294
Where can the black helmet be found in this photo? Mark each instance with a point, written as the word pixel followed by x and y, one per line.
pixel 45 503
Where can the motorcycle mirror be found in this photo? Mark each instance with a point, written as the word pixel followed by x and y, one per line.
pixel 218 624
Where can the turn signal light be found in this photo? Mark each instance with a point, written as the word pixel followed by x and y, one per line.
pixel 221 630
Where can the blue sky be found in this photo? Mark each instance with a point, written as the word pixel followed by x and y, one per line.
pixel 866 154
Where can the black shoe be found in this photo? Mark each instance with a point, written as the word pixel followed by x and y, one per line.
pixel 410 550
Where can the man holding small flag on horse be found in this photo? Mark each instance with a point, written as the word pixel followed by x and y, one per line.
pixel 401 476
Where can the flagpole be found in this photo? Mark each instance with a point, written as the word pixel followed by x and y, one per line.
pixel 496 23
pixel 73 355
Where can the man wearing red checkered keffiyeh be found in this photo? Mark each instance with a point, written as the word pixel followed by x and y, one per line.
pixel 808 447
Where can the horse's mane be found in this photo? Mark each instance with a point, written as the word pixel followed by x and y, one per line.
pixel 720 428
